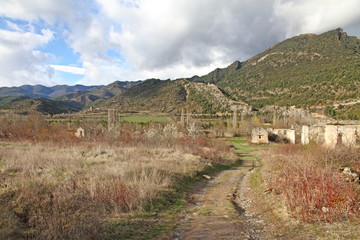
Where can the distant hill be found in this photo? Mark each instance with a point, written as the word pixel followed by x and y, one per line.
pixel 5 102
pixel 150 95
pixel 41 105
pixel 83 99
pixel 43 91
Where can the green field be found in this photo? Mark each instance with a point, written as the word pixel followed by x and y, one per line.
pixel 127 118
pixel 144 119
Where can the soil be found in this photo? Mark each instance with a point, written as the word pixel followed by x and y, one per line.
pixel 218 209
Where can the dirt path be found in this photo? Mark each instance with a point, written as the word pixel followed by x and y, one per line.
pixel 217 209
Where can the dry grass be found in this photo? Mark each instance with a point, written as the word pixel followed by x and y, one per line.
pixel 67 191
pixel 54 186
pixel 309 180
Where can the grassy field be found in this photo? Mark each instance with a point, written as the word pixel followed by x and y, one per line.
pixel 144 119
pixel 122 118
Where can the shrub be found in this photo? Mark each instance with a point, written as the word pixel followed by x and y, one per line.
pixel 309 180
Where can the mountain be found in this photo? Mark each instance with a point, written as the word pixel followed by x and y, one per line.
pixel 306 70
pixel 43 91
pixel 218 74
pixel 171 96
pixel 41 105
pixel 150 95
pixel 83 99
pixel 6 102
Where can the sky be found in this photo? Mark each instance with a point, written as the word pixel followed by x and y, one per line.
pixel 95 42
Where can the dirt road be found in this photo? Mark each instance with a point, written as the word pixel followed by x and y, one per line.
pixel 217 209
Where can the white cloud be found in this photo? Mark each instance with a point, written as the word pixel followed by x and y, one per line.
pixel 156 38
pixel 302 16
pixel 20 63
pixel 50 11
pixel 69 69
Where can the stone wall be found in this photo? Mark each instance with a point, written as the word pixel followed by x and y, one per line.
pixel 305 138
pixel 288 134
pixel 340 134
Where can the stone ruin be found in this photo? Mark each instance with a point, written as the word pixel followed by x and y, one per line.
pixel 288 135
pixel 185 117
pixel 111 118
pixel 305 131
pixel 80 132
pixel 329 135
pixel 259 136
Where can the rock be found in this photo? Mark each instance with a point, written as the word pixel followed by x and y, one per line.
pixel 354 176
pixel 325 209
pixel 206 176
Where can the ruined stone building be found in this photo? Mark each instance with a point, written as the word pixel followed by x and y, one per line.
pixel 331 134
pixel 259 136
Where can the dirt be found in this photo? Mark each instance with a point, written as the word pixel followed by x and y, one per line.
pixel 217 209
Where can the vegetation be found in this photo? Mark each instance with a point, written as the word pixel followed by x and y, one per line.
pixel 306 70
pixel 42 105
pixel 351 112
pixel 144 119
pixel 56 186
pixel 151 95
pixel 5 102
pixel 307 178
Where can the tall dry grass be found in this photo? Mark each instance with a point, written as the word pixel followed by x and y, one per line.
pixel 52 192
pixel 313 188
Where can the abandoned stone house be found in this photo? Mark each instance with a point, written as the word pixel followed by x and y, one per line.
pixel 259 136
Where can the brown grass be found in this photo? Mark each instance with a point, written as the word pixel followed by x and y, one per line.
pixel 56 186
pixel 52 191
pixel 309 180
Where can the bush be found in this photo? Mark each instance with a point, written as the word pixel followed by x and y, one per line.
pixel 309 180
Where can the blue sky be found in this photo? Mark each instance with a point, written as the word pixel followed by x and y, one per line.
pixel 91 42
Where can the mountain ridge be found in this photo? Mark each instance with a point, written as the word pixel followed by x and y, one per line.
pixel 43 91
pixel 305 71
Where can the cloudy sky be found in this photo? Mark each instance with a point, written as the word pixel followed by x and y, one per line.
pixel 91 42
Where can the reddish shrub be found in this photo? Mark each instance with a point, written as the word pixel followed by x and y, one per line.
pixel 309 180
pixel 201 141
pixel 317 194
pixel 113 193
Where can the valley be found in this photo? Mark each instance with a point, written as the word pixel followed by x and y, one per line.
pixel 267 148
